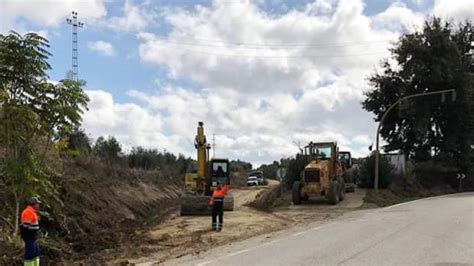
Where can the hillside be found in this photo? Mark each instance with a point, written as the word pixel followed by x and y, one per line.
pixel 98 207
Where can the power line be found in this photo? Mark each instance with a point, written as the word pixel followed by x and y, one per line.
pixel 274 46
pixel 276 56
pixel 220 43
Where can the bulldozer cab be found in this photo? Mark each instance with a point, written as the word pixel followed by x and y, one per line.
pixel 219 172
pixel 346 159
pixel 320 151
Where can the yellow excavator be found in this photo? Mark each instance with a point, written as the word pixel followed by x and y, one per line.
pixel 199 186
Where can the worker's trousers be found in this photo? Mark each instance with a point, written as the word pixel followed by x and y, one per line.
pixel 32 253
pixel 218 212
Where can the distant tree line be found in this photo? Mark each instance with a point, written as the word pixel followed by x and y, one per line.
pixel 238 165
pixel 110 150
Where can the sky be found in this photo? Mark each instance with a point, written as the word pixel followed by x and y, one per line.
pixel 265 76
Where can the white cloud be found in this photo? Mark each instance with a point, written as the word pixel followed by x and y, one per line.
pixel 458 10
pixel 398 17
pixel 47 13
pixel 255 53
pixel 104 48
pixel 131 124
pixel 135 18
pixel 52 13
pixel 168 121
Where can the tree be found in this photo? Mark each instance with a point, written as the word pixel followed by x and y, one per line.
pixel 144 158
pixel 367 175
pixel 238 165
pixel 429 60
pixel 295 166
pixel 78 142
pixel 108 149
pixel 34 113
pixel 270 170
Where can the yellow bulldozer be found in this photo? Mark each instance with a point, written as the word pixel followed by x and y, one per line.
pixel 200 185
pixel 322 176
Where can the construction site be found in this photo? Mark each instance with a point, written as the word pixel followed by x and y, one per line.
pixel 118 165
pixel 249 211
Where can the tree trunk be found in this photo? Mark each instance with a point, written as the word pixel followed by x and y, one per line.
pixel 17 212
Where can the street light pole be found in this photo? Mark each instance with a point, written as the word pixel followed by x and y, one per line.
pixel 376 179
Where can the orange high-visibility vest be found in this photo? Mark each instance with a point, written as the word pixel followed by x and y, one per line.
pixel 29 217
pixel 29 223
pixel 218 194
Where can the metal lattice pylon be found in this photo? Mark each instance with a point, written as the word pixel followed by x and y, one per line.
pixel 75 53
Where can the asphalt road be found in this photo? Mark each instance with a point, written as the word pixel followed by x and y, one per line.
pixel 433 231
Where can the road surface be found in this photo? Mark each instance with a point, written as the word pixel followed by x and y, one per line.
pixel 432 231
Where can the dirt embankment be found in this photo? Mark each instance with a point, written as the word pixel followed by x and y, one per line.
pixel 100 208
pixel 180 236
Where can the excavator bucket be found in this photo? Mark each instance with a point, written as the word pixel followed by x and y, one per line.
pixel 193 205
pixel 229 202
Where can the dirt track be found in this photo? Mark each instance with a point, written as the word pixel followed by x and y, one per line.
pixel 179 236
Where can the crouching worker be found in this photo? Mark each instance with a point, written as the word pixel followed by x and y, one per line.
pixel 217 204
pixel 29 228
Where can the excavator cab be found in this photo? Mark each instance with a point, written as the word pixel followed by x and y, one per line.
pixel 219 172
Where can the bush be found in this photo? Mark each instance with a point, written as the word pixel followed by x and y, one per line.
pixel 431 174
pixel 295 166
pixel 269 170
pixel 367 175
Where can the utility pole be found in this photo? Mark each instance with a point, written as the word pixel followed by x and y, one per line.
pixel 75 53
pixel 376 178
pixel 213 145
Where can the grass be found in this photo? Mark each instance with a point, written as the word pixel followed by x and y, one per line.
pixel 398 193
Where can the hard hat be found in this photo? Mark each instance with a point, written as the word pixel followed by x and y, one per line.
pixel 33 200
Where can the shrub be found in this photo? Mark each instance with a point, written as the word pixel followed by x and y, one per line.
pixel 367 175
pixel 431 174
pixel 295 166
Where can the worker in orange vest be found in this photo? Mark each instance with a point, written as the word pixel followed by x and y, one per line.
pixel 29 228
pixel 217 204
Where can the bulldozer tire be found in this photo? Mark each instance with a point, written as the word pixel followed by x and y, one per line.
pixel 342 195
pixel 334 194
pixel 296 196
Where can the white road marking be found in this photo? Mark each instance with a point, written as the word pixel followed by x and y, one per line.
pixel 205 263
pixel 397 205
pixel 256 247
pixel 307 231
pixel 300 233
pixel 269 243
pixel 421 199
pixel 239 252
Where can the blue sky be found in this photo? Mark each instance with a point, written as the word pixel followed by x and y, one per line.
pixel 263 74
